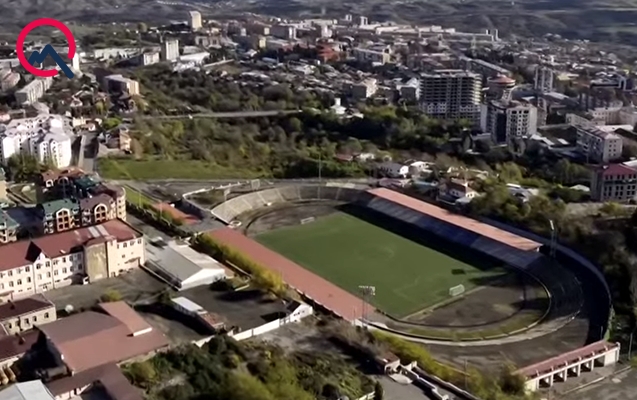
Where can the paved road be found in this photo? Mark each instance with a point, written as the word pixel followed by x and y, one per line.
pixel 226 115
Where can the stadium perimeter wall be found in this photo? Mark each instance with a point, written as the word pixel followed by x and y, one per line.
pixel 567 255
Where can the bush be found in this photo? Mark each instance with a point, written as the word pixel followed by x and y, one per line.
pixel 110 296
pixel 142 374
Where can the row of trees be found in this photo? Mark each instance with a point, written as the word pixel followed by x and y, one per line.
pixel 261 276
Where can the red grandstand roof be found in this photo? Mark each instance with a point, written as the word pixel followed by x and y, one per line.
pixel 469 224
pixel 562 360
pixel 323 292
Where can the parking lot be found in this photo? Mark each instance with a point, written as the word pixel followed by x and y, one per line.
pixel 134 287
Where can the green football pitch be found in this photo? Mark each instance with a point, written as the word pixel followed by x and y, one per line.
pixel 349 252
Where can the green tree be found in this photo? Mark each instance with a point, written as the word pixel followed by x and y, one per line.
pixel 142 374
pixel 246 387
pixel 110 123
pixel 22 167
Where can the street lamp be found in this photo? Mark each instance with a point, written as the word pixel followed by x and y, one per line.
pixel 366 291
pixel 553 238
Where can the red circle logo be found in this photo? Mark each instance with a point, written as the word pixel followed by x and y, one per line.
pixel 23 35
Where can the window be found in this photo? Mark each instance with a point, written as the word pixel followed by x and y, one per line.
pixel 63 259
pixel 19 270
pixel 19 282
pixel 37 266
pixel 39 276
pixel 71 269
pixel 9 325
pixel 28 279
pixel 10 283
pixel 48 274
pixel 48 263
pixel 64 270
pixel 28 269
pixel 55 272
pixel 10 273
pixel 46 315
pixel 35 318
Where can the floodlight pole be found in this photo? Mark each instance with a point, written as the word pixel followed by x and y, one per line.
pixel 320 167
pixel 553 238
pixel 366 291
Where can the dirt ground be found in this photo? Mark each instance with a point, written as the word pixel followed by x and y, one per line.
pixel 268 219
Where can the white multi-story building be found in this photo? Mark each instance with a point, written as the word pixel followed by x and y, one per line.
pixel 543 81
pixel 195 20
pixel 598 145
pixel 33 91
pixel 371 55
pixel 118 83
pixel 365 89
pixel 36 265
pixel 614 182
pixel 452 95
pixel 511 120
pixel 45 137
pixel 170 50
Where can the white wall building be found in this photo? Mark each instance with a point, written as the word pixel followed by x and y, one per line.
pixel 170 50
pixel 195 20
pixel 181 266
pixel 394 169
pixel 36 265
pixel 511 120
pixel 33 91
pixel 46 137
pixel 452 95
pixel 597 145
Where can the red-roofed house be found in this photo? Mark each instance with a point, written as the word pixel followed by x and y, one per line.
pixel 113 334
pixel 36 265
pixel 614 182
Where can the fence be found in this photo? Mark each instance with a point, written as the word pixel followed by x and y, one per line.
pixel 302 311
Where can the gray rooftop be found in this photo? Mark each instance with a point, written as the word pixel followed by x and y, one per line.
pixel 32 390
pixel 179 260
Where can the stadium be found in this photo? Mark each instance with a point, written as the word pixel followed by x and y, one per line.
pixel 412 268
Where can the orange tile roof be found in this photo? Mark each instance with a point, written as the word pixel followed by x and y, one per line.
pixel 460 221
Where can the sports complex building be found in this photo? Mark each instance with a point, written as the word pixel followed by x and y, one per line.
pixel 399 264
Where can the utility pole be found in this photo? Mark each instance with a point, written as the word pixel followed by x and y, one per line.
pixel 630 345
pixel 320 167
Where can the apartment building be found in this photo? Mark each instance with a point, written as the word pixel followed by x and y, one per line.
pixel 46 137
pixel 597 145
pixel 118 84
pixel 33 91
pixel 24 314
pixel 170 50
pixel 285 31
pixel 507 121
pixel 371 55
pixel 365 89
pixel 452 95
pixel 8 79
pixel 90 192
pixel 484 67
pixel 614 182
pixel 8 228
pixel 70 213
pixel 195 20
pixel 36 265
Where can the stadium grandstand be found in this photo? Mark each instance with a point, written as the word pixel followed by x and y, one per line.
pixel 510 249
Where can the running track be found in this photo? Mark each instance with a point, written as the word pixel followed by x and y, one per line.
pixel 319 290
